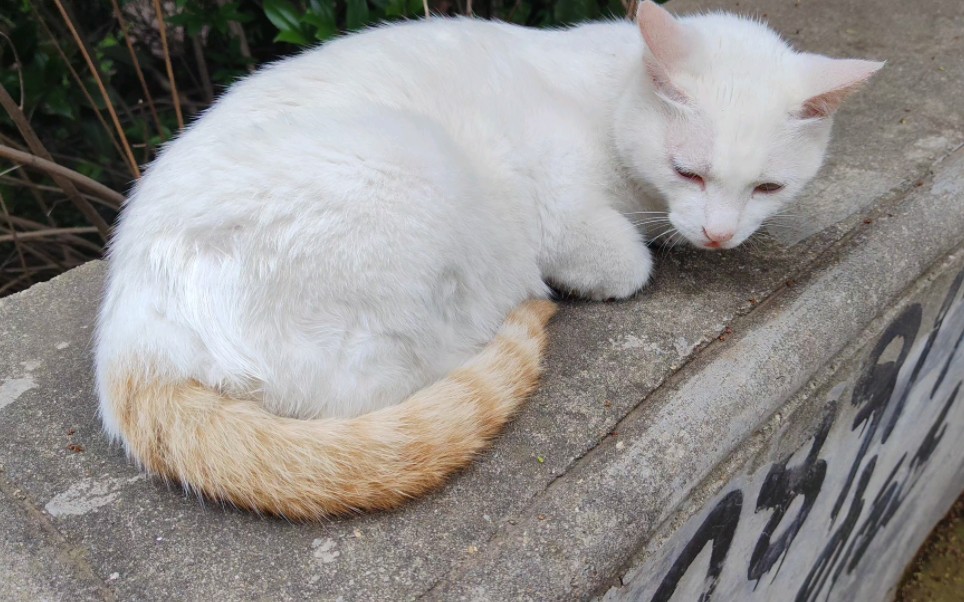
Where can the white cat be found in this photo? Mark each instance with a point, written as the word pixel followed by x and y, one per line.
pixel 348 228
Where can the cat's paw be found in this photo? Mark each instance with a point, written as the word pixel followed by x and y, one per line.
pixel 610 265
pixel 621 282
pixel 613 276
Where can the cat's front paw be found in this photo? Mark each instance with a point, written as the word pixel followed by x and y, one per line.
pixel 622 277
pixel 607 273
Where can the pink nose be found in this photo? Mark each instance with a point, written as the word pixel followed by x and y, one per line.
pixel 717 237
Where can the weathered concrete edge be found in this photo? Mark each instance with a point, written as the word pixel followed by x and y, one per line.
pixel 814 322
pixel 54 282
pixel 793 425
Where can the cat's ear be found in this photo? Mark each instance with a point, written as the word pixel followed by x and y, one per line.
pixel 668 42
pixel 831 82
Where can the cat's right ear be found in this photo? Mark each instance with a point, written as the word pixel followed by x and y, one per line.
pixel 667 44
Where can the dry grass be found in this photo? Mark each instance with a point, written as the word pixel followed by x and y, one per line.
pixel 937 572
pixel 128 153
pixel 51 240
pixel 162 29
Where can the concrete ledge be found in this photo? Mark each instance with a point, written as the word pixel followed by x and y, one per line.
pixel 653 412
pixel 841 483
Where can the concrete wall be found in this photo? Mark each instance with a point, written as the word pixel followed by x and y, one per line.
pixel 838 517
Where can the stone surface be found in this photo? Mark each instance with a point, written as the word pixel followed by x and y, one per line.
pixel 813 519
pixel 686 407
pixel 37 563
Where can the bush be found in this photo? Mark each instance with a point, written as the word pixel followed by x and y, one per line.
pixel 90 90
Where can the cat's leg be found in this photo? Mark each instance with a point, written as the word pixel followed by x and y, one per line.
pixel 597 254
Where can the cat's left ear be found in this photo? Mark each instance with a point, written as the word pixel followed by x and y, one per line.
pixel 831 82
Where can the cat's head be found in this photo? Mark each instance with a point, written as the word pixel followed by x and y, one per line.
pixel 726 121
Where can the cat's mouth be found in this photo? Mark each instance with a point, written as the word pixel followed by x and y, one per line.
pixel 717 241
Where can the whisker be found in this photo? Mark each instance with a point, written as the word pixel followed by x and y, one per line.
pixel 663 233
pixel 650 222
pixel 778 225
pixel 669 242
pixel 761 243
pixel 631 226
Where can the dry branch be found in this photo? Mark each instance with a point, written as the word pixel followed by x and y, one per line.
pixel 52 262
pixel 46 233
pixel 56 171
pixel 79 81
pixel 15 239
pixel 31 225
pixel 167 62
pixel 40 154
pixel 11 284
pixel 103 91
pixel 137 67
pixel 237 31
pixel 23 181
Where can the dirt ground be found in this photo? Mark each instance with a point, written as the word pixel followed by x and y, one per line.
pixel 937 572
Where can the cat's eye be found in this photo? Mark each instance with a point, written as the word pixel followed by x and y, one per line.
pixel 688 175
pixel 768 188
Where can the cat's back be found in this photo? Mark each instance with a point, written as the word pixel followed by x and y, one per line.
pixel 449 72
pixel 411 65
pixel 410 96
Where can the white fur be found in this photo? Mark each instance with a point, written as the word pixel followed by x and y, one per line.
pixel 348 225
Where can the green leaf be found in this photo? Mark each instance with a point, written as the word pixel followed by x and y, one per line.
pixel 293 36
pixel 570 11
pixel 396 8
pixel 108 42
pixel 282 15
pixel 357 15
pixel 107 67
pixel 56 102
pixel 322 34
pixel 90 170
pixel 232 12
pixel 321 16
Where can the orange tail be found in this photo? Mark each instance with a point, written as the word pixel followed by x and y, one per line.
pixel 232 450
